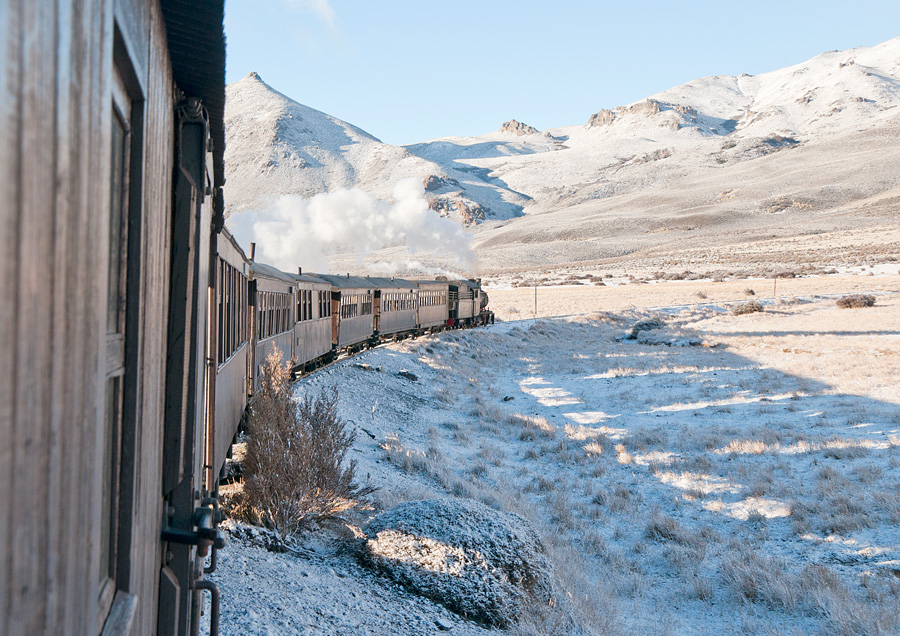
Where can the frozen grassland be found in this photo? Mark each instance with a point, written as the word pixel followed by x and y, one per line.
pixel 747 485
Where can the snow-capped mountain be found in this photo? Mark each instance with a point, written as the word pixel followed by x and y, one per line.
pixel 707 123
pixel 276 146
pixel 814 144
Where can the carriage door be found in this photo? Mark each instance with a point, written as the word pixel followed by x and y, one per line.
pixel 376 308
pixel 188 523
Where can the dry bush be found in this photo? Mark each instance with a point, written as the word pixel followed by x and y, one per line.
pixel 856 301
pixel 749 307
pixel 662 528
pixel 645 325
pixel 295 470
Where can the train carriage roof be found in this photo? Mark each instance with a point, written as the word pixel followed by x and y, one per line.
pixel 229 238
pixel 391 283
pixel 196 42
pixel 309 278
pixel 431 284
pixel 346 282
pixel 258 269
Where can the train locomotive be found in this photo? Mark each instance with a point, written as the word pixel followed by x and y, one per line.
pixel 134 324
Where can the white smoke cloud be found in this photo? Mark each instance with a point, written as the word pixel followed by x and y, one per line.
pixel 411 269
pixel 304 232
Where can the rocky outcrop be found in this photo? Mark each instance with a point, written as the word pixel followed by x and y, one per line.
pixel 518 128
pixel 469 211
pixel 433 183
pixel 603 118
pixel 684 110
pixel 647 107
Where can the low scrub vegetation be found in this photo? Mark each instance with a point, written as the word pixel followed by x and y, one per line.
pixel 294 468
pixel 856 301
pixel 749 307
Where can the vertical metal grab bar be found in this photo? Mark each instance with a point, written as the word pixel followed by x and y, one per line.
pixel 213 604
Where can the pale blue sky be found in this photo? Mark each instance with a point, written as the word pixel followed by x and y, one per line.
pixel 411 70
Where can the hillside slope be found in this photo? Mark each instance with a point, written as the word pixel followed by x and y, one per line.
pixel 277 146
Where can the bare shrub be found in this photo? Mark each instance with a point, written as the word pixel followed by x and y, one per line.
pixel 645 325
pixel 295 465
pixel 662 528
pixel 856 301
pixel 749 307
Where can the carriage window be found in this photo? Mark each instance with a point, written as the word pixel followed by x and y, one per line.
pixel 116 297
pixel 232 305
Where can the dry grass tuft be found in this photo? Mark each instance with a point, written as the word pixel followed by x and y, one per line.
pixel 749 307
pixel 815 591
pixel 662 528
pixel 533 427
pixel 856 301
pixel 622 455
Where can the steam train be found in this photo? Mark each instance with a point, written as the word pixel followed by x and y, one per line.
pixel 133 324
pixel 312 319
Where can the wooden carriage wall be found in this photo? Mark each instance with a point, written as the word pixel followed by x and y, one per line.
pixel 96 243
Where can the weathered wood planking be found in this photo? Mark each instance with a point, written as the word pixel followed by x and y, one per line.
pixel 55 68
pixel 159 150
pixel 10 82
pixel 32 300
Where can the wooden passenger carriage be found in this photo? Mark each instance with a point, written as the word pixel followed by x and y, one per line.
pixel 232 386
pixel 396 302
pixel 111 116
pixel 273 314
pixel 312 331
pixel 433 311
pixel 352 309
pixel 134 324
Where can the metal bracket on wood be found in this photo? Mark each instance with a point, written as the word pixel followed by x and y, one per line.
pixel 204 537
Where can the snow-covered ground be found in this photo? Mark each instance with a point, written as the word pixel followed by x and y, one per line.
pixel 750 484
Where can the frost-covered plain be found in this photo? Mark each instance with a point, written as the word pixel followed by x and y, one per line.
pixel 747 485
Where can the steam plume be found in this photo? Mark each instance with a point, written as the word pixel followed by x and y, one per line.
pixel 303 232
